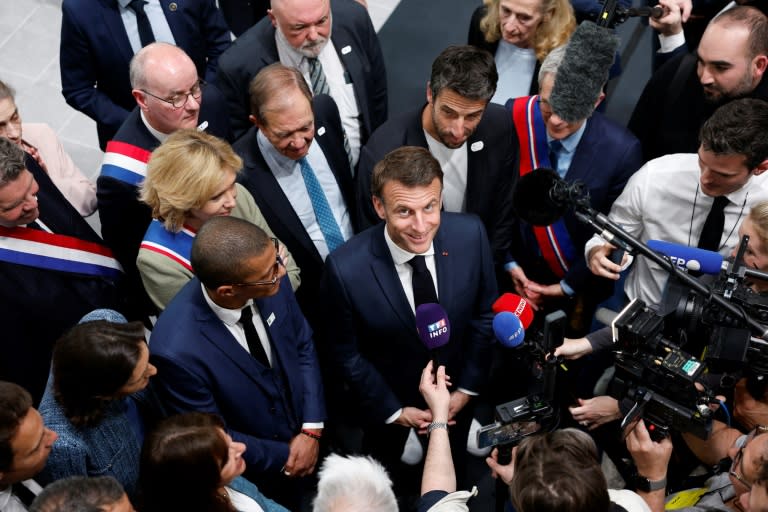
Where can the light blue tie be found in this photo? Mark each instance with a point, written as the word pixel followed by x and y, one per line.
pixel 555 147
pixel 323 213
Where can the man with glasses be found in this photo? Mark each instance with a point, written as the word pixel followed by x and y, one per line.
pixel 234 342
pixel 169 96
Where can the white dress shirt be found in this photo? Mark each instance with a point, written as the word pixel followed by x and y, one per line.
pixel 663 201
pixel 9 502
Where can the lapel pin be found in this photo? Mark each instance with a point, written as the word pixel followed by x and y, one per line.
pixel 172 6
pixel 347 49
pixel 445 253
pixel 270 319
pixel 476 146
pixel 321 131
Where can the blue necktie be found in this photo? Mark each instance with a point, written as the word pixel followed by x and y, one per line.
pixel 323 213
pixel 554 152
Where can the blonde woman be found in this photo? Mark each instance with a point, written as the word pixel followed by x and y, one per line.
pixel 190 178
pixel 520 34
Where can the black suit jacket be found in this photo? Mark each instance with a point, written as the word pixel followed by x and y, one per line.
pixel 40 305
pixel 278 211
pixel 491 169
pixel 352 30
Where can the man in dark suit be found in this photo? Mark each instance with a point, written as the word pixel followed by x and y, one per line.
pixel 234 342
pixel 99 37
pixel 298 34
pixel 53 269
pixel 594 150
pixel 288 122
pixel 474 141
pixel 169 97
pixel 370 290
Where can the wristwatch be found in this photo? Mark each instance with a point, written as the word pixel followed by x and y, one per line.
pixel 642 483
pixel 435 425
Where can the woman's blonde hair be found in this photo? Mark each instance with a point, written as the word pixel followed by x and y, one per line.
pixel 555 28
pixel 759 217
pixel 183 173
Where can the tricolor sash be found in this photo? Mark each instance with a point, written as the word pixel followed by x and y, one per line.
pixel 36 248
pixel 125 162
pixel 554 242
pixel 177 246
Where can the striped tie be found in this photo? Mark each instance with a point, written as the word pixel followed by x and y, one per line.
pixel 320 86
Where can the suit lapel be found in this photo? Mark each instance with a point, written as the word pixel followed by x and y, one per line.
pixel 476 161
pixel 111 16
pixel 348 54
pixel 383 269
pixel 444 266
pixel 583 156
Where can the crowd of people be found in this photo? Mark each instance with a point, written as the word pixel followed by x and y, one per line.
pixel 242 333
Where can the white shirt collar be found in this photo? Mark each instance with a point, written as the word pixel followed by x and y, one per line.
pixel 156 134
pixel 399 255
pixel 228 316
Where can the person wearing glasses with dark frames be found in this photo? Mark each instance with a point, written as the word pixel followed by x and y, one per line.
pixel 169 96
pixel 235 343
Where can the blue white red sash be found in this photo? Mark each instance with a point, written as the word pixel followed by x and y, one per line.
pixel 554 242
pixel 177 246
pixel 36 248
pixel 125 162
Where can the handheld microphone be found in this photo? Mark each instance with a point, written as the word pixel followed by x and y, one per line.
pixel 691 258
pixel 655 12
pixel 508 329
pixel 515 304
pixel 434 329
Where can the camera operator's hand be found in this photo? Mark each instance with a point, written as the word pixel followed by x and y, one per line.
pixel 574 348
pixel 672 22
pixel 651 460
pixel 504 471
pixel 600 263
pixel 435 392
pixel 593 412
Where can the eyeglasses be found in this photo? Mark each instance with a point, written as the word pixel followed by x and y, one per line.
pixel 275 270
pixel 179 100
pixel 738 459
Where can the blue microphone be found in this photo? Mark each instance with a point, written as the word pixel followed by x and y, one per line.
pixel 508 329
pixel 690 258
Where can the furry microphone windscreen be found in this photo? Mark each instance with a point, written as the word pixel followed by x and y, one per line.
pixel 583 72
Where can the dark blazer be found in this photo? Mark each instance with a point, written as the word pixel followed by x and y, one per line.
pixel 278 211
pixel 476 38
pixel 124 219
pixel 201 367
pixel 243 14
pixel 352 29
pixel 372 329
pixel 40 305
pixel 95 53
pixel 605 158
pixel 491 169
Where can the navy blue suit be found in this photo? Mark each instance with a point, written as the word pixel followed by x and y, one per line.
pixel 491 169
pixel 605 158
pixel 372 331
pixel 278 211
pixel 356 42
pixel 201 367
pixel 95 53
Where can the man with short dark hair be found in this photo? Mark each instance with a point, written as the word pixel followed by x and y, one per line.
pixel 371 289
pixel 54 268
pixel 697 199
pixel 474 142
pixel 730 63
pixel 234 342
pixel 24 447
pixel 83 494
pixel 334 46
pixel 169 96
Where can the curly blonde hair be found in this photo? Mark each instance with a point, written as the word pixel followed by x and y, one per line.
pixel 556 27
pixel 758 214
pixel 183 173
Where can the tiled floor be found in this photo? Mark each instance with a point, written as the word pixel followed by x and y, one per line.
pixel 29 62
